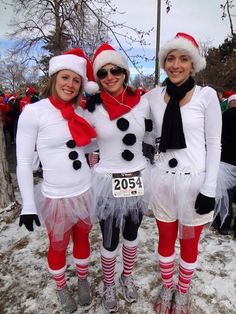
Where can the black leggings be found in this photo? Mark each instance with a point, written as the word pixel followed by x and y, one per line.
pixel 130 231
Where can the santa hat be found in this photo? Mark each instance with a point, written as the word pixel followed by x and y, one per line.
pixel 11 98
pixel 76 61
pixel 228 93
pixel 107 54
pixel 232 97
pixel 31 90
pixel 187 43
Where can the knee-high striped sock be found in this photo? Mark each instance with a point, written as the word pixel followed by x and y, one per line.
pixel 60 280
pixel 59 277
pixel 129 252
pixel 186 272
pixel 82 268
pixel 167 270
pixel 108 266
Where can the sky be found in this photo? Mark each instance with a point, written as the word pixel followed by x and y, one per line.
pixel 201 19
pixel 26 286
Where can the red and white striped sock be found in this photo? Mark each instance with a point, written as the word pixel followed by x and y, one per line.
pixel 129 256
pixel 108 267
pixel 186 273
pixel 60 280
pixel 82 271
pixel 167 273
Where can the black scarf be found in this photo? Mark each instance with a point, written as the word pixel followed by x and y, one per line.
pixel 172 134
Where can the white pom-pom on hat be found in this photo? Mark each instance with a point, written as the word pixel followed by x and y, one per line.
pixel 186 42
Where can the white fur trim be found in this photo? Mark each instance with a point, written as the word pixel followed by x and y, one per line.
pixel 187 265
pixel 232 97
pixel 109 56
pixel 167 259
pixel 68 62
pixel 199 62
pixel 131 244
pixel 80 261
pixel 108 254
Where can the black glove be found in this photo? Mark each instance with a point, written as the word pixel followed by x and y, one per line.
pixel 148 151
pixel 28 221
pixel 204 204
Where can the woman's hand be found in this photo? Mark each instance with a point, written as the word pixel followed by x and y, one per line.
pixel 28 221
pixel 204 204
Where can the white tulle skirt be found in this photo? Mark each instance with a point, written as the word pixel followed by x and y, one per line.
pixel 173 196
pixel 59 215
pixel 112 208
pixel 226 180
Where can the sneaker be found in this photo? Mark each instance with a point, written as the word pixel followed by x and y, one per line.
pixel 129 289
pixel 110 299
pixel 67 302
pixel 84 294
pixel 164 301
pixel 180 303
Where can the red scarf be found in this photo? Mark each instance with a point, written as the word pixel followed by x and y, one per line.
pixel 118 106
pixel 81 131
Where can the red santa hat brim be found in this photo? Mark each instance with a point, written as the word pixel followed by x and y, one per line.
pixel 186 43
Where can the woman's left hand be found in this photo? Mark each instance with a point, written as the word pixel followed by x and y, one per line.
pixel 204 204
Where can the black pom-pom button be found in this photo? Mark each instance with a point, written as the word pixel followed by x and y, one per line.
pixel 173 162
pixel 122 124
pixel 129 139
pixel 71 144
pixel 127 155
pixel 77 164
pixel 73 155
pixel 148 125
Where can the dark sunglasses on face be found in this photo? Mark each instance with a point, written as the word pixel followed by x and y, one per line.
pixel 115 71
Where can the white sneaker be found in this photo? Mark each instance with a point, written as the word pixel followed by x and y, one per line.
pixel 129 289
pixel 110 299
pixel 164 301
pixel 180 303
pixel 84 294
pixel 66 300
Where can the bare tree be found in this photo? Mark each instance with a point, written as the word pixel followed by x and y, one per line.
pixel 143 81
pixel 14 73
pixel 52 26
pixel 227 7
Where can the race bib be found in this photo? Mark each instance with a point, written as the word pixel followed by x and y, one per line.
pixel 127 184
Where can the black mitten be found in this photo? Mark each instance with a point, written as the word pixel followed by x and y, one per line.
pixel 148 151
pixel 28 221
pixel 204 204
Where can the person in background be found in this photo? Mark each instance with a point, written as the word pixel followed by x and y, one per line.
pixel 64 201
pixel 29 97
pixel 120 181
pixel 183 182
pixel 226 185
pixel 12 118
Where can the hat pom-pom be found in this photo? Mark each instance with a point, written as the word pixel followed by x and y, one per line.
pixel 91 88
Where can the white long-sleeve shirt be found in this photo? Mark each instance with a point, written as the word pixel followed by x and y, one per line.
pixel 109 138
pixel 41 125
pixel 202 123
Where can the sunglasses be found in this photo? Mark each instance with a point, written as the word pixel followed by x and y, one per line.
pixel 115 71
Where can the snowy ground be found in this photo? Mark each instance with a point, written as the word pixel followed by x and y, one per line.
pixel 25 286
